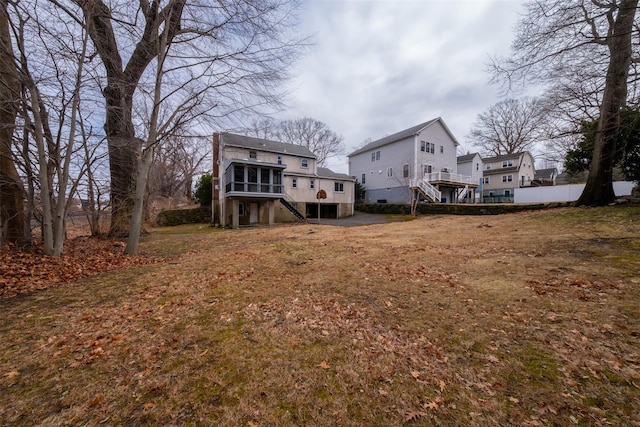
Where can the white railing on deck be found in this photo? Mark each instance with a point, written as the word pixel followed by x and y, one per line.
pixel 451 177
pixel 429 190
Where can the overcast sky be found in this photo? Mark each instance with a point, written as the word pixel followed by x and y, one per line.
pixel 379 67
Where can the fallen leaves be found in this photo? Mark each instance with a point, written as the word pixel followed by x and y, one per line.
pixel 26 272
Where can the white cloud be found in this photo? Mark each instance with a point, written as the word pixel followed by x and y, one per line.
pixel 379 67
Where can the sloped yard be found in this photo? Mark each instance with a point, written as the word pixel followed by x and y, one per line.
pixel 520 319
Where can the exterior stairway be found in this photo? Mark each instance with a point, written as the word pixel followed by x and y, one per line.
pixel 292 209
pixel 429 191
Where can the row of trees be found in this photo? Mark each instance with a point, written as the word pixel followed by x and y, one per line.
pixel 113 92
pixel 583 54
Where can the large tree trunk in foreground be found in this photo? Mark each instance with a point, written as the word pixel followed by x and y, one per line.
pixel 11 190
pixel 599 188
pixel 124 147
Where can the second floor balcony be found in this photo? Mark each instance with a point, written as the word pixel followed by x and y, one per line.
pixel 262 180
pixel 449 178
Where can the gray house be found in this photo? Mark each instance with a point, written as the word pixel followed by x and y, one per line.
pixel 257 181
pixel 471 165
pixel 418 163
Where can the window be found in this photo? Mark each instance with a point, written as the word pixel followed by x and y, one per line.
pixel 426 169
pixel 432 146
pixel 389 172
pixel 405 171
pixel 294 183
pixel 364 178
pixel 423 145
pixel 507 163
pixel 441 149
pixel 253 154
pixel 375 156
pixel 488 166
pixel 507 178
pixel 312 184
pixel 338 187
pixel 507 193
pixel 279 159
pixel 304 163
pixel 477 166
pixel 486 180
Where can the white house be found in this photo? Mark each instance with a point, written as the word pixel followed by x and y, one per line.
pixel 418 162
pixel 257 181
pixel 502 174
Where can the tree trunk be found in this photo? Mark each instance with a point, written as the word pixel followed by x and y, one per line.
pixel 598 190
pixel 11 190
pixel 124 147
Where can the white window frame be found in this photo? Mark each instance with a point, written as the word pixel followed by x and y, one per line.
pixel 364 179
pixel 389 172
pixel 304 163
pixel 338 187
pixel 312 184
pixel 294 182
pixel 253 154
pixel 507 178
pixel 442 149
pixel 279 159
pixel 405 171
pixel 486 180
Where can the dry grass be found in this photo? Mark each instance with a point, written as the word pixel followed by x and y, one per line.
pixel 523 319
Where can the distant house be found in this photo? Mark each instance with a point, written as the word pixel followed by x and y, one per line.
pixel 471 165
pixel 417 162
pixel 545 177
pixel 257 181
pixel 502 174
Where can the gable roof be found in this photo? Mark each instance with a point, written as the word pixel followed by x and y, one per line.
pixel 502 157
pixel 468 157
pixel 328 173
pixel 243 141
pixel 546 173
pixel 414 130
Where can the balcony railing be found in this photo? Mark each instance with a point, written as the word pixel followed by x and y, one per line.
pixel 254 187
pixel 451 177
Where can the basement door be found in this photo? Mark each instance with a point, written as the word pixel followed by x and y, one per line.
pixel 253 213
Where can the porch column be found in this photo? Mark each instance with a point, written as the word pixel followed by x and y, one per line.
pixel 235 213
pixel 272 211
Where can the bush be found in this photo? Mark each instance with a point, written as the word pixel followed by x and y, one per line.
pixel 204 191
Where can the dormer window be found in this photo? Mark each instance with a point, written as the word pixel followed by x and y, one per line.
pixel 253 154
pixel 304 163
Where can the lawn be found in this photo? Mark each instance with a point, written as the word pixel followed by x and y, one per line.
pixel 520 319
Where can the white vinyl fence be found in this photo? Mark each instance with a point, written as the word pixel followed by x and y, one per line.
pixel 563 193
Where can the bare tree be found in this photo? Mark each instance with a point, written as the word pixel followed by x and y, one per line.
pixel 508 127
pixel 313 134
pixel 585 45
pixel 11 189
pixel 55 145
pixel 237 51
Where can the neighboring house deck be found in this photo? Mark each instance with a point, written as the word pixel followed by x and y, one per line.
pixel 257 181
pixel 417 162
pixel 502 174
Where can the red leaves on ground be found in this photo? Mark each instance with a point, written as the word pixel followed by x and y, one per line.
pixel 25 272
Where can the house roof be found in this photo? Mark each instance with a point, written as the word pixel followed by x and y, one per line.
pixel 328 173
pixel 266 145
pixel 545 173
pixel 414 130
pixel 503 157
pixel 468 157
